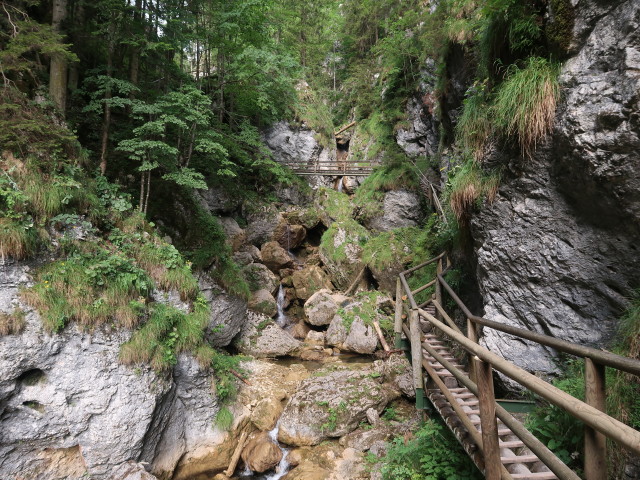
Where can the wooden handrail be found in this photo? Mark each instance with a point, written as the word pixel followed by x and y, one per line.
pixel 601 357
pixel 609 426
pixel 597 423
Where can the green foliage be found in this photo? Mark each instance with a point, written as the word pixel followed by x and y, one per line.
pixel 559 31
pixel 224 419
pixel 337 205
pixel 392 248
pixel 525 103
pixel 433 453
pixel 167 332
pixel 332 244
pixel 554 427
pixel 332 419
pixel 475 124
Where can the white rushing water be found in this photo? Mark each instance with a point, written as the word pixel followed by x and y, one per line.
pixel 281 319
pixel 283 466
pixel 340 184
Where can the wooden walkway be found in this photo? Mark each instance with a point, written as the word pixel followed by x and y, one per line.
pixel 333 168
pixel 462 391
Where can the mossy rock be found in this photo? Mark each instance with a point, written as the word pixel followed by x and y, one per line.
pixel 341 251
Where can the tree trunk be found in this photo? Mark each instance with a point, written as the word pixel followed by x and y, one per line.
pixel 106 120
pixel 58 67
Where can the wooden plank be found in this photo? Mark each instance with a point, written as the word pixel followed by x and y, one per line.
pixel 344 128
pixel 535 476
pixel 384 343
pixel 595 443
pixel 519 459
pixel 236 455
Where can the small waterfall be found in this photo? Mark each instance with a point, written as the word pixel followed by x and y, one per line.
pixel 340 184
pixel 283 466
pixel 281 319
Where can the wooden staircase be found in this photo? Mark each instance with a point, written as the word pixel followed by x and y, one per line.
pixel 463 394
pixel 517 459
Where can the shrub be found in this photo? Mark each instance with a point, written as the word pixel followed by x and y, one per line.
pixel 525 103
pixel 433 453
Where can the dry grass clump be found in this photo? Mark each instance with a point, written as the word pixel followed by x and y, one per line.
pixel 12 323
pixel 525 103
pixel 468 188
pixel 17 239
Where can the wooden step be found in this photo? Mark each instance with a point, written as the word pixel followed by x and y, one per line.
pixel 511 444
pixel 462 395
pixel 534 476
pixel 520 459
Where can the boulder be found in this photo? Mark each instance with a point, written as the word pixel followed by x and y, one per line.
pixel 259 277
pixel 260 453
pixel 421 137
pixel 275 257
pixel 262 338
pixel 361 338
pixel 300 330
pixel 314 338
pixel 266 413
pixel 70 395
pixel 261 225
pixel 131 471
pixel 320 308
pixel 331 404
pixel 235 235
pixel 341 251
pixel 397 370
pixel 253 251
pixel 227 313
pixel 337 332
pixel 293 145
pixel 242 258
pixel 262 301
pixel 309 280
pixel 218 201
pixel 401 208
pixel 289 236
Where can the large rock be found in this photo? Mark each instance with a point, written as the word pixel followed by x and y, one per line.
pixel 235 235
pixel 218 201
pixel 362 338
pixel 295 146
pixel 259 277
pixel 309 280
pixel 263 302
pixel 262 338
pixel 261 225
pixel 341 251
pixel 260 453
pixel 131 471
pixel 228 313
pixel 289 236
pixel 331 404
pixel 66 401
pixel 320 308
pixel 275 257
pixel 401 208
pixel 420 137
pixel 557 251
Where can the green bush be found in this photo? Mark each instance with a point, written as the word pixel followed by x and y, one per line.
pixel 432 454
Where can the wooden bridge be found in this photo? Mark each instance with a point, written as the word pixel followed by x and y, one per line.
pixel 501 447
pixel 334 168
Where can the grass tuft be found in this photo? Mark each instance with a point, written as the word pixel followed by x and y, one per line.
pixel 525 103
pixel 12 323
pixel 467 187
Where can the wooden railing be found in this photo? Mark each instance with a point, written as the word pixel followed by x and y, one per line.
pixel 333 167
pixel 598 425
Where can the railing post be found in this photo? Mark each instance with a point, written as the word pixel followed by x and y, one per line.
pixel 397 325
pixel 490 447
pixel 595 443
pixel 416 358
pixel 438 288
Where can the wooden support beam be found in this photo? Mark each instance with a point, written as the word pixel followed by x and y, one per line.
pixel 344 128
pixel 488 422
pixel 416 358
pixel 383 342
pixel 397 325
pixel 236 455
pixel 595 443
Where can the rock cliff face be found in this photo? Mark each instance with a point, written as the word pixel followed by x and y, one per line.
pixel 69 408
pixel 557 251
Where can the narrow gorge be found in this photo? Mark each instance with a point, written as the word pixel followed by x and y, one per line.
pixel 204 217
